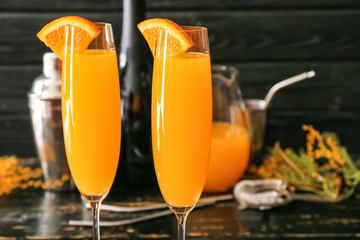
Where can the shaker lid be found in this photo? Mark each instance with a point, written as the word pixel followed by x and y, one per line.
pixel 48 85
pixel 51 65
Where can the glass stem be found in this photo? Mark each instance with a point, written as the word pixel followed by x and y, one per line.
pixel 95 208
pixel 181 219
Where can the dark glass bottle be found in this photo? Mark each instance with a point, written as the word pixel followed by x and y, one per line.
pixel 135 62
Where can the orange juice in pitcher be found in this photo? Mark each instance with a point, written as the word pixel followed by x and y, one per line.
pixel 230 149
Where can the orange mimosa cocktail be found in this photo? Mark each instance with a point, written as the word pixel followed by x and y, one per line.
pixel 229 156
pixel 90 104
pixel 181 125
pixel 181 112
pixel 91 117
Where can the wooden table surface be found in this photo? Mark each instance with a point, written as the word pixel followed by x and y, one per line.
pixel 27 214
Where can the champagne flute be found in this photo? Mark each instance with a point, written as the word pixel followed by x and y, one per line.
pixel 91 115
pixel 181 121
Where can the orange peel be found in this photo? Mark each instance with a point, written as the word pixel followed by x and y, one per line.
pixel 178 41
pixel 53 33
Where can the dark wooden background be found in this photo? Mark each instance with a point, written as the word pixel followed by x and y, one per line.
pixel 268 40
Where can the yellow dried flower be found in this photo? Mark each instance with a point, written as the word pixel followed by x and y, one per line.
pixel 324 168
pixel 13 175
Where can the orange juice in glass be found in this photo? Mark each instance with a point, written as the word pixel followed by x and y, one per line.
pixel 91 115
pixel 181 125
pixel 181 120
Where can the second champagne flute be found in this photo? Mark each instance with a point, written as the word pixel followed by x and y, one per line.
pixel 91 115
pixel 181 121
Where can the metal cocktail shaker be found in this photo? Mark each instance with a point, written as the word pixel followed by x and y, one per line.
pixel 45 108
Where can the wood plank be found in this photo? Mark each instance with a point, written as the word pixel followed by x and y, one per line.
pixel 330 101
pixel 110 5
pixel 60 5
pixel 285 126
pixel 279 35
pixel 234 36
pixel 43 215
pixel 244 4
pixel 18 41
pixel 15 83
pixel 301 96
pixel 335 87
pixel 16 136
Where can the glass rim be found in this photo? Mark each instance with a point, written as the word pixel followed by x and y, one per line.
pixel 186 29
pixel 224 67
pixel 97 24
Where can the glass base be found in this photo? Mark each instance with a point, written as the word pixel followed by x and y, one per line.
pixel 181 210
pixel 181 214
pixel 96 198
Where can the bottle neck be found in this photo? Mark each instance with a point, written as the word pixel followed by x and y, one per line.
pixel 133 13
pixel 134 54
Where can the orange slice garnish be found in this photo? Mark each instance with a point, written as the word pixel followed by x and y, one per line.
pixel 178 41
pixel 53 34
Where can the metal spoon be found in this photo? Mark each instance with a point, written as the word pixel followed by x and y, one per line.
pixel 285 83
pixel 265 194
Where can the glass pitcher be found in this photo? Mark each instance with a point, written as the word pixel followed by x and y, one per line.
pixel 230 147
